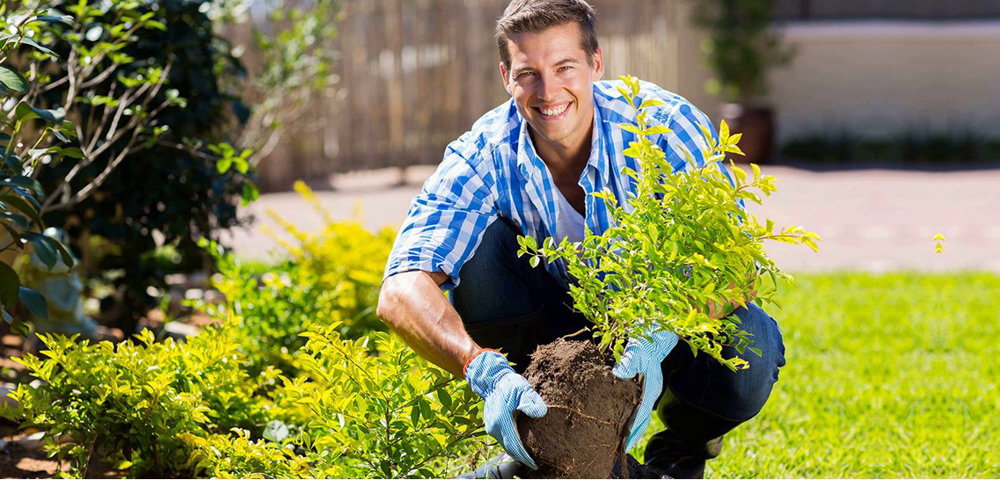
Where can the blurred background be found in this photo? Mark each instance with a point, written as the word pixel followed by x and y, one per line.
pixel 847 81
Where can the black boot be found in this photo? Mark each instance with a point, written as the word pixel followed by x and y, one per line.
pixel 677 458
pixel 501 466
pixel 692 437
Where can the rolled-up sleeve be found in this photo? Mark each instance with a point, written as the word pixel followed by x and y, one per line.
pixel 446 221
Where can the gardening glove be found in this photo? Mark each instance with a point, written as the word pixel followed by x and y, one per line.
pixel 504 392
pixel 643 357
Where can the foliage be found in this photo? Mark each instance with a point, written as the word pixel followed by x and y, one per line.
pixel 679 249
pixel 132 399
pixel 888 376
pixel 343 255
pixel 153 92
pixel 384 415
pixel 741 47
pixel 228 456
pixel 24 133
pixel 142 83
pixel 333 275
pixel 288 58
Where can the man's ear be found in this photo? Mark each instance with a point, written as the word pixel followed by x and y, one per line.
pixel 503 76
pixel 598 60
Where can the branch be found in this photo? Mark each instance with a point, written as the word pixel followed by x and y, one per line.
pixel 86 191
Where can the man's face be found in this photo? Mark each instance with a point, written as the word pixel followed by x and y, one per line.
pixel 552 84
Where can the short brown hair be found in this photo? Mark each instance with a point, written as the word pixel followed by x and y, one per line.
pixel 524 16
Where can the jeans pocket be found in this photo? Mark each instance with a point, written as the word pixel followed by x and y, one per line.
pixel 516 337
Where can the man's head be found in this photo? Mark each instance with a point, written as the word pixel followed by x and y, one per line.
pixel 550 61
pixel 533 16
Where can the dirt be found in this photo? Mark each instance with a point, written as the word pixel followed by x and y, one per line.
pixel 583 434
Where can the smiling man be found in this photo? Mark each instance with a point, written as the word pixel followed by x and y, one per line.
pixel 529 167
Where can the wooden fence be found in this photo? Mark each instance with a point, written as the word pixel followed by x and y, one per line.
pixel 415 74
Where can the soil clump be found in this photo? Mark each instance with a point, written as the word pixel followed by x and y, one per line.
pixel 583 434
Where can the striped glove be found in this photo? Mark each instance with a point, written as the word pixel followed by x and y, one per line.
pixel 504 392
pixel 643 357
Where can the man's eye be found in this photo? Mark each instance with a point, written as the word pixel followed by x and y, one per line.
pixel 525 75
pixel 564 68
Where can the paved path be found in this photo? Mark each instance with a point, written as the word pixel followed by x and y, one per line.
pixel 871 220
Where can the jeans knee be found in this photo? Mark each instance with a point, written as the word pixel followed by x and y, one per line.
pixel 752 386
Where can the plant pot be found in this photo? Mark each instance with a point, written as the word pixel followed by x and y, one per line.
pixel 756 123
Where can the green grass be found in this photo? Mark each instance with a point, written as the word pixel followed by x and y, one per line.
pixel 887 376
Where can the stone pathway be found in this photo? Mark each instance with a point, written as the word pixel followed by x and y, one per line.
pixel 870 220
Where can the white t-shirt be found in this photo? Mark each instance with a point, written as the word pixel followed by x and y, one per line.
pixel 569 222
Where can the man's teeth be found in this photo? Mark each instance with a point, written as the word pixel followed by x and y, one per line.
pixel 553 111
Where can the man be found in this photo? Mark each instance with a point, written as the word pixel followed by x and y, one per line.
pixel 529 167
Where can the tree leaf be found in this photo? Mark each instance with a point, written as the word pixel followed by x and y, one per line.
pixel 35 302
pixel 68 20
pixel 13 80
pixel 43 248
pixel 31 42
pixel 9 284
pixel 15 218
pixel 21 181
pixel 24 112
pixel 72 152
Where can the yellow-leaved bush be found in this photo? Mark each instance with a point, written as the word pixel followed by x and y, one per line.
pixel 293 380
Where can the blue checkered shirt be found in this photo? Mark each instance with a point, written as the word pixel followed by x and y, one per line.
pixel 493 171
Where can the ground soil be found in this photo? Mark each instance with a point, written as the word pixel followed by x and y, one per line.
pixel 584 431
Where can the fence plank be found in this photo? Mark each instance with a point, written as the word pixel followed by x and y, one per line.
pixel 418 73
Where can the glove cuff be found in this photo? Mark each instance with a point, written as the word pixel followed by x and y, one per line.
pixel 485 370
pixel 465 368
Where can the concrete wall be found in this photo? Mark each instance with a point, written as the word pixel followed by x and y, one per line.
pixel 880 79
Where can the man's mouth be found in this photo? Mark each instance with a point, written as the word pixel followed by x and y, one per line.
pixel 553 111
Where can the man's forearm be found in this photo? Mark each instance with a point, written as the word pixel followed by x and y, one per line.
pixel 412 305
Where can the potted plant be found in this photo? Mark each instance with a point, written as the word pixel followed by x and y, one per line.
pixel 682 244
pixel 742 47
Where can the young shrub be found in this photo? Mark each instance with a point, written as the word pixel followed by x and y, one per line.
pixel 131 401
pixel 330 276
pixel 342 256
pixel 679 251
pixel 228 456
pixel 388 414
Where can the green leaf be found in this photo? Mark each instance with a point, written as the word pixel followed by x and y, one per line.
pixel 32 43
pixel 15 218
pixel 650 102
pixel 628 127
pixel 9 285
pixel 68 20
pixel 35 302
pixel 25 112
pixel 224 164
pixel 21 181
pixel 60 135
pixel 43 248
pixel 13 80
pixel 72 152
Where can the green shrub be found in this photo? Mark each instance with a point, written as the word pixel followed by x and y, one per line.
pixel 229 456
pixel 333 275
pixel 131 400
pixel 382 414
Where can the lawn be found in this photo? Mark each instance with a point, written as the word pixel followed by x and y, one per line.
pixel 888 376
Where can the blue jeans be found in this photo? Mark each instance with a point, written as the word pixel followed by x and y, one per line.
pixel 507 304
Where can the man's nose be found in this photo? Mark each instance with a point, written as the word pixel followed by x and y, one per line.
pixel 547 88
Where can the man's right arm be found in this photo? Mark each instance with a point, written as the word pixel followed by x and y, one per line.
pixel 412 305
